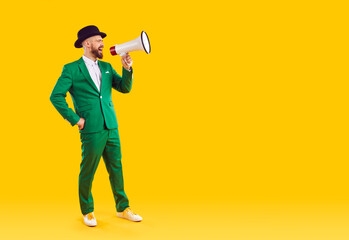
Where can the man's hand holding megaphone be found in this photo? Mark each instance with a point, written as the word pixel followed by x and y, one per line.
pixel 126 61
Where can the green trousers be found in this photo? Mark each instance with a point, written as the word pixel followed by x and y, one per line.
pixel 105 143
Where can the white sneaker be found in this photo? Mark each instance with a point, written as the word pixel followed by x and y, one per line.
pixel 128 214
pixel 90 219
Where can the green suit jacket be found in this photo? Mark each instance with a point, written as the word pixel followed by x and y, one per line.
pixel 95 107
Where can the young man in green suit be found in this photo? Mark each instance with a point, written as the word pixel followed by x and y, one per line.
pixel 90 84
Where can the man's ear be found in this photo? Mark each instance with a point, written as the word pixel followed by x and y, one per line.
pixel 86 43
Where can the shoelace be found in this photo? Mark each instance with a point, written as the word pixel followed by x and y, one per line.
pixel 90 216
pixel 130 211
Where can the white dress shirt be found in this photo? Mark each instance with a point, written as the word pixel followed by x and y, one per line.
pixel 94 71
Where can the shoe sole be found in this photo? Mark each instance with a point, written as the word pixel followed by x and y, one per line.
pixel 129 219
pixel 91 225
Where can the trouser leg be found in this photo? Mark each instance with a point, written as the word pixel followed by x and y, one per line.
pixel 112 159
pixel 92 146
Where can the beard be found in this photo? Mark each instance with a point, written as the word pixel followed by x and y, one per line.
pixel 97 53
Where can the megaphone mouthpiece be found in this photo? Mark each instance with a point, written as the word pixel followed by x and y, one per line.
pixel 112 51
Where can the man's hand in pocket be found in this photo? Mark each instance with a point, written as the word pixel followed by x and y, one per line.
pixel 81 123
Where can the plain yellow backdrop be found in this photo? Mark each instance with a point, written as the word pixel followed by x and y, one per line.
pixel 239 102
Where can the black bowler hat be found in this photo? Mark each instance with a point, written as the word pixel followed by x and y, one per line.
pixel 87 32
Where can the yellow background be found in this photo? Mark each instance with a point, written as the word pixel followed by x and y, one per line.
pixel 236 126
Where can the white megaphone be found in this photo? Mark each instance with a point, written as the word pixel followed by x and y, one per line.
pixel 139 44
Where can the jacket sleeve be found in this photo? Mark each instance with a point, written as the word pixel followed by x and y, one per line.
pixel 122 84
pixel 59 94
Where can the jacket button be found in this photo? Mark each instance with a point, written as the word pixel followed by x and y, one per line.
pixel 100 96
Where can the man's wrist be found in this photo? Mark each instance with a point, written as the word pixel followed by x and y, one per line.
pixel 75 121
pixel 130 69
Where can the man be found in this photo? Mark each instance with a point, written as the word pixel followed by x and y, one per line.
pixel 89 83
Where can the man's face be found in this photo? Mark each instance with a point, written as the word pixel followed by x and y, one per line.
pixel 97 46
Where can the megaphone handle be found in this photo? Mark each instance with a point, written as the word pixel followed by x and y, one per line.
pixel 122 55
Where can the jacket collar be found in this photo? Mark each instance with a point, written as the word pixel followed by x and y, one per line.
pixel 89 61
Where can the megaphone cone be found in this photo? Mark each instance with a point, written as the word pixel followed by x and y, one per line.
pixel 139 44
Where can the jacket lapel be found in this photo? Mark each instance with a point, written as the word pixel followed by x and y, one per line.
pixel 102 73
pixel 86 74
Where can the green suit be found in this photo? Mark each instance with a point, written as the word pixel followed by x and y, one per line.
pixel 100 136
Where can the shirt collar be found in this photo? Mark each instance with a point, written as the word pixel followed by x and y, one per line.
pixel 89 61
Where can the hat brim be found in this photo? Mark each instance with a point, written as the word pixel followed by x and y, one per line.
pixel 78 42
